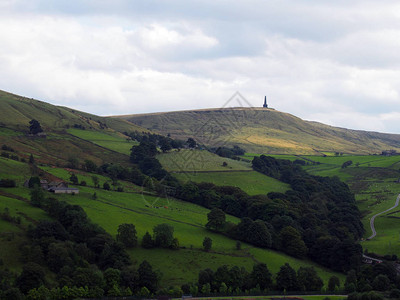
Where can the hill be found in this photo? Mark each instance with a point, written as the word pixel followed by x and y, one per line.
pixel 69 133
pixel 263 131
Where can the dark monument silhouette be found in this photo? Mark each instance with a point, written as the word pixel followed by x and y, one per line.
pixel 265 102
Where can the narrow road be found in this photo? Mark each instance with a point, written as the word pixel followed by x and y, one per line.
pixel 371 222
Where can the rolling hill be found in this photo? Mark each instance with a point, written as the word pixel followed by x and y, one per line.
pixel 263 131
pixel 69 133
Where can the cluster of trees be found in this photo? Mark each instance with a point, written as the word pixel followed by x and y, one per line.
pixel 381 277
pixel 235 280
pixel 87 261
pixel 163 237
pixel 232 153
pixel 321 209
pixel 165 143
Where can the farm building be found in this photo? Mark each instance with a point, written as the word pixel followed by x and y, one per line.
pixel 63 190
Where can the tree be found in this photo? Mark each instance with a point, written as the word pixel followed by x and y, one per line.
pixel 216 219
pixel 291 242
pixel 90 166
pixel 286 279
pixel 261 276
pixel 74 179
pixel 127 235
pixel 35 127
pixel 147 241
pixel 191 143
pixel 346 164
pixel 309 279
pixel 381 283
pixel 33 181
pixel 106 186
pixel 163 235
pixel 95 180
pixel 32 276
pixel 334 282
pixel 165 145
pixel 207 243
pixel 37 196
pixel 147 277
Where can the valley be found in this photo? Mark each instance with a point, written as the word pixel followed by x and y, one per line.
pixel 97 150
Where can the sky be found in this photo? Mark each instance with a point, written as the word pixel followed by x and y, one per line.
pixel 335 62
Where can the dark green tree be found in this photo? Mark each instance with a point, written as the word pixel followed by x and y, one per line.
pixel 34 180
pixel 216 219
pixel 163 235
pixel 35 127
pixel 106 186
pixel 37 196
pixel 261 276
pixel 147 241
pixel 292 243
pixel 32 276
pixel 333 282
pixel 286 279
pixel 147 277
pixel 207 244
pixel 127 235
pixel 309 279
pixel 191 143
pixel 74 179
pixel 90 166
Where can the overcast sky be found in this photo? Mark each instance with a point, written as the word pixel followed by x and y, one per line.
pixel 337 62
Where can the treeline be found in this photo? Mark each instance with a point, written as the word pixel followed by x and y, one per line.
pixel 238 281
pixel 378 281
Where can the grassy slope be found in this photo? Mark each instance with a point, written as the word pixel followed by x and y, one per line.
pixel 102 141
pixel 199 161
pixel 17 111
pixel 253 183
pixel 264 131
pixel 110 140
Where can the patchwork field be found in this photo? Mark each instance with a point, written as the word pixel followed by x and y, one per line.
pixel 253 183
pixel 111 140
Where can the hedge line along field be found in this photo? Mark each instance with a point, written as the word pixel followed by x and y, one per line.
pixel 253 183
pixel 112 141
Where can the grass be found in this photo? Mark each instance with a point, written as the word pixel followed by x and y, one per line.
pixel 110 140
pixel 199 161
pixel 253 183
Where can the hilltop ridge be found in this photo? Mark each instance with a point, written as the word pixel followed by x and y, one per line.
pixel 263 130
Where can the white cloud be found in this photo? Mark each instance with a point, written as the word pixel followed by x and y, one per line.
pixel 334 62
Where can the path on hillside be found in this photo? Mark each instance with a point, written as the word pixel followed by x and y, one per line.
pixel 372 221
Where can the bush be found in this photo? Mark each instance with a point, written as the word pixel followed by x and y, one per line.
pixel 8 183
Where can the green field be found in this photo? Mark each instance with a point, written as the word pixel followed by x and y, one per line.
pixel 110 140
pixel 253 183
pixel 199 161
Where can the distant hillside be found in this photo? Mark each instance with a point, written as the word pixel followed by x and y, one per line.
pixel 69 133
pixel 17 111
pixel 264 131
